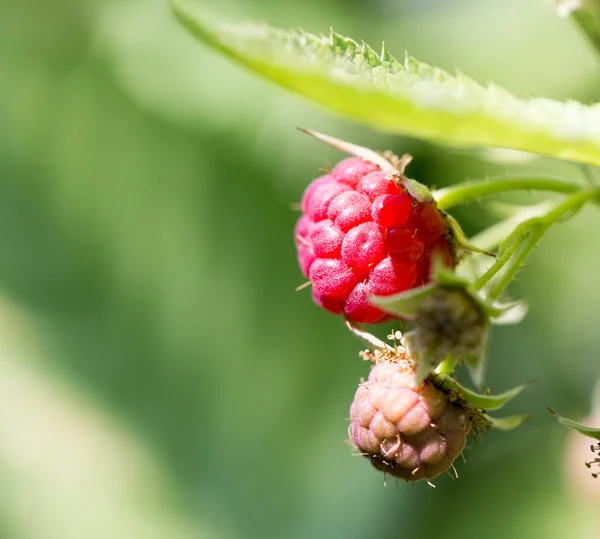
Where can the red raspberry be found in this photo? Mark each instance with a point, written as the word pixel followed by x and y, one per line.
pixel 409 432
pixel 362 233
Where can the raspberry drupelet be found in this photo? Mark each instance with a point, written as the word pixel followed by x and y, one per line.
pixel 362 233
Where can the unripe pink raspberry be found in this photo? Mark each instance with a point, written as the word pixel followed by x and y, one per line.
pixel 408 432
pixel 362 233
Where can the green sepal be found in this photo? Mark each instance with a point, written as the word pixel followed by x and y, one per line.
pixel 477 400
pixel 417 190
pixel 424 363
pixel 405 304
pixel 476 364
pixel 461 240
pixel 494 311
pixel 591 432
pixel 508 423
pixel 447 277
pixel 511 313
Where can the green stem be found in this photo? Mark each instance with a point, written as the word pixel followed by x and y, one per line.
pixel 525 237
pixel 514 242
pixel 490 238
pixel 515 263
pixel 469 191
pixel 446 366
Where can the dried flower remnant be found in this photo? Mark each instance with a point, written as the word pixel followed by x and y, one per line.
pixel 595 461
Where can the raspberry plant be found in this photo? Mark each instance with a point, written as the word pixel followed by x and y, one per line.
pixel 377 245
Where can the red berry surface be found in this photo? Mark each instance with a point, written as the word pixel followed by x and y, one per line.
pixel 407 431
pixel 362 233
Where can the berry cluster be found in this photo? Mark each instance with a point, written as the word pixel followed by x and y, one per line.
pixel 362 233
pixel 366 230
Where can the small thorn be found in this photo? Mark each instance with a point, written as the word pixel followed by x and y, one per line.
pixel 470 248
pixel 303 286
pixel 303 240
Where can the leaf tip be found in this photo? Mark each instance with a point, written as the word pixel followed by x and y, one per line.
pixel 510 422
pixel 552 412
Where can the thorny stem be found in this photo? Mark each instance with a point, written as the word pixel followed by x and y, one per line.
pixel 524 238
pixel 489 238
pixel 515 264
pixel 510 246
pixel 473 190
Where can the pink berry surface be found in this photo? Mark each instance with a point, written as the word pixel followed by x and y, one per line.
pixel 362 233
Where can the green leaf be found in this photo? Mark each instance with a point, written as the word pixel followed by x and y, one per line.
pixel 508 423
pixel 476 362
pixel 408 97
pixel 582 429
pixel 511 313
pixel 477 400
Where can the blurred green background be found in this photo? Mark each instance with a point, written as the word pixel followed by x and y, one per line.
pixel 159 376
